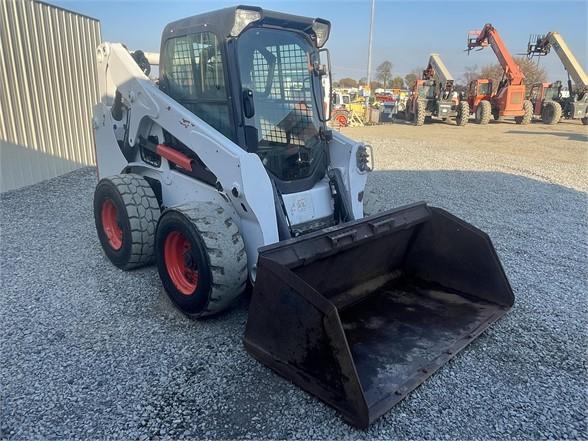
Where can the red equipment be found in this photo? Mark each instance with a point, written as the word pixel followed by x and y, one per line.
pixel 509 98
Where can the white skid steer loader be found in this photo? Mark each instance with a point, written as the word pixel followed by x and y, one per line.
pixel 226 171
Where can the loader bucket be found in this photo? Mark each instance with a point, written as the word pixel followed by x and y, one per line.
pixel 361 314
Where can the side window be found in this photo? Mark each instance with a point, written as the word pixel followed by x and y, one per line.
pixel 194 76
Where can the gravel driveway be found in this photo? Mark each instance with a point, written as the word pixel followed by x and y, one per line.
pixel 91 352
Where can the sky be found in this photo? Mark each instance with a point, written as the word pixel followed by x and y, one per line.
pixel 405 32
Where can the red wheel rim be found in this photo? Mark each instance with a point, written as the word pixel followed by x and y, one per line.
pixel 342 120
pixel 181 263
pixel 110 225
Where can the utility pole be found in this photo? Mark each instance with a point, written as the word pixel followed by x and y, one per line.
pixel 369 66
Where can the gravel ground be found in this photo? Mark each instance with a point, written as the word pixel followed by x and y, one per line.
pixel 91 352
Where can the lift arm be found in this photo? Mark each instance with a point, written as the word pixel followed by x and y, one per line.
pixel 436 68
pixel 489 36
pixel 241 179
pixel 543 45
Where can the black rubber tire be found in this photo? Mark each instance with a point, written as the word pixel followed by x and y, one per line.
pixel 483 112
pixel 551 112
pixel 496 115
pixel 528 115
pixel 420 113
pixel 219 255
pixel 137 212
pixel 463 113
pixel 585 120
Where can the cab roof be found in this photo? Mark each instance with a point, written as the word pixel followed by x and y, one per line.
pixel 221 22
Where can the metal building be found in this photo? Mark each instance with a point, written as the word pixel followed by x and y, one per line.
pixel 48 86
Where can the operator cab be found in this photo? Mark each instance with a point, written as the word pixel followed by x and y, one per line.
pixel 256 76
pixel 426 89
pixel 553 91
pixel 480 87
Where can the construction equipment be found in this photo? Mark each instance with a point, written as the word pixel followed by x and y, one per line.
pixel 348 112
pixel 548 99
pixel 341 113
pixel 340 99
pixel 227 172
pixel 479 95
pixel 509 98
pixel 434 96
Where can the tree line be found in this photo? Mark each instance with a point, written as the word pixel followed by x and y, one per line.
pixel 386 80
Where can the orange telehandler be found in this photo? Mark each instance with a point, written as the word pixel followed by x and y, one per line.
pixel 479 94
pixel 509 98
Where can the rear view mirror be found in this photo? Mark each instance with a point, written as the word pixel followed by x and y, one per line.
pixel 326 83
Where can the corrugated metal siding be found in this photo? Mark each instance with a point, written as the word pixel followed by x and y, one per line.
pixel 48 85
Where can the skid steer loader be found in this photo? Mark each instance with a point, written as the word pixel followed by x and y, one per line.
pixel 225 171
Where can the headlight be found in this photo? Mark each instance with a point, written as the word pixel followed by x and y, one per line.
pixel 243 17
pixel 321 30
pixel 364 158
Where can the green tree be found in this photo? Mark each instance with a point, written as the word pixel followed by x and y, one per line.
pixel 397 83
pixel 533 73
pixel 384 72
pixel 471 73
pixel 411 77
pixel 347 82
pixel 376 85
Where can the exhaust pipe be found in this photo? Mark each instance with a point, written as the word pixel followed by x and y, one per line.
pixel 361 314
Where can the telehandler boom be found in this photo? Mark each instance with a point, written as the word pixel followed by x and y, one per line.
pixel 509 98
pixel 548 99
pixel 225 171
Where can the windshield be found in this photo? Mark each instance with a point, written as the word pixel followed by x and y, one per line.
pixel 276 66
pixel 551 92
pixel 484 88
pixel 427 91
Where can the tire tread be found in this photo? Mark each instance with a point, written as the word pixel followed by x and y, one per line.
pixel 485 109
pixel 420 112
pixel 143 213
pixel 226 253
pixel 463 113
pixel 527 116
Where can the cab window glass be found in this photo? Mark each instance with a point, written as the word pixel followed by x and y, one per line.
pixel 194 76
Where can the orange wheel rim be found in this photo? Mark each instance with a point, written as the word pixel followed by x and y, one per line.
pixel 180 263
pixel 110 224
pixel 341 119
